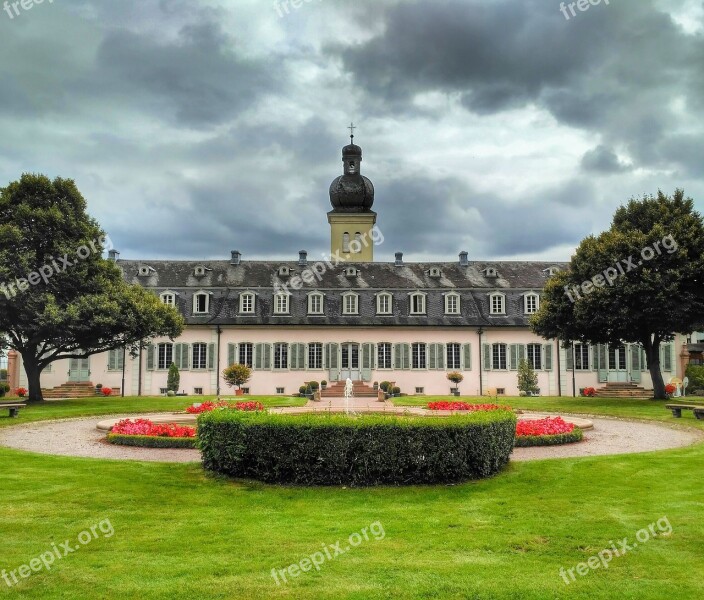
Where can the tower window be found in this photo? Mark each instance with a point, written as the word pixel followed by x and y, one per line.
pixel 346 242
pixel 351 167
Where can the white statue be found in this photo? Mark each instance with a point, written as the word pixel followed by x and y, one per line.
pixel 349 393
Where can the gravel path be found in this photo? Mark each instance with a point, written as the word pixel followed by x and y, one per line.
pixel 79 437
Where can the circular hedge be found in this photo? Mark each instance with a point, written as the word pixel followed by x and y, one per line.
pixel 526 441
pixel 329 449
pixel 151 441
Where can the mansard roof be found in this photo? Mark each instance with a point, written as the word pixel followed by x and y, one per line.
pixel 227 281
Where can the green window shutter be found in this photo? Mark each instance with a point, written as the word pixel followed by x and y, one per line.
pixel 406 348
pixel 367 350
pixel 211 356
pixel 398 358
pixel 522 352
pixel 514 357
pixel 331 359
pixel 259 356
pixel 432 356
pixel 112 365
pixel 120 359
pixel 178 350
pixel 635 363
pixel 569 357
pixel 486 349
pixel 467 357
pixel 601 364
pixel 440 354
pixel 186 357
pixel 267 356
pixel 150 357
pixel 298 356
pixel 293 356
pixel 231 356
pixel 547 351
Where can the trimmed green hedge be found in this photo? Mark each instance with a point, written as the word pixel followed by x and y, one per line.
pixel 151 441
pixel 526 441
pixel 325 449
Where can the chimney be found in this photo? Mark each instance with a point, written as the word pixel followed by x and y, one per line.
pixel 112 255
pixel 399 259
pixel 464 260
pixel 302 258
pixel 236 257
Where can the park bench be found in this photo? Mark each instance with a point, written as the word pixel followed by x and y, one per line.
pixel 14 408
pixel 677 409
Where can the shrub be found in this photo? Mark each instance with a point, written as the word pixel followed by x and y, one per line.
pixel 174 378
pixel 455 377
pixel 4 389
pixel 323 382
pixel 396 390
pixel 302 390
pixel 170 393
pixel 106 391
pixel 21 392
pixel 309 390
pixel 146 441
pixel 334 449
pixel 526 441
pixel 384 386
pixel 695 374
pixel 314 385
pixel 3 374
pixel 527 379
pixel 98 386
pixel 236 375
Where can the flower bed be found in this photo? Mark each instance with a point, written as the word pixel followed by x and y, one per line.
pixel 320 449
pixel 550 431
pixel 209 406
pixel 444 405
pixel 143 432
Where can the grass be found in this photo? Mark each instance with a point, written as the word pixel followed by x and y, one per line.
pixel 177 528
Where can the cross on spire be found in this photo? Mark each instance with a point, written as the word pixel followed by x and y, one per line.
pixel 351 128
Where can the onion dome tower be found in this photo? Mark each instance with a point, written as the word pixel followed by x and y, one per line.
pixel 351 218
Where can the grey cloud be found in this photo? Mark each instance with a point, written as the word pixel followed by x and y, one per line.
pixel 603 160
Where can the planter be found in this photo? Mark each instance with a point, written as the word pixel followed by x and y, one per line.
pixel 239 392
pixel 456 393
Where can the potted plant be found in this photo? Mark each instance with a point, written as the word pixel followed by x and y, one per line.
pixel 309 392
pixel 323 384
pixel 98 387
pixel 302 391
pixel 455 377
pixel 21 392
pixel 237 375
pixel 396 391
pixel 376 386
pixel 314 385
pixel 173 379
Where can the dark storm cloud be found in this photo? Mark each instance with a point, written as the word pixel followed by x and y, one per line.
pixel 603 160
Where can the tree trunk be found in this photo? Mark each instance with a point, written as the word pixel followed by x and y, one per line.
pixel 31 367
pixel 652 354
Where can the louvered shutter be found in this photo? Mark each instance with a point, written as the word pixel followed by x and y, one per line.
pixel 467 357
pixel 513 364
pixel 367 354
pixel 667 357
pixel 150 357
pixel 548 357
pixel 635 363
pixel 231 354
pixel 211 356
pixel 569 357
pixel 486 349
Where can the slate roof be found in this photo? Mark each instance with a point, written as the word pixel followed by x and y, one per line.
pixel 225 282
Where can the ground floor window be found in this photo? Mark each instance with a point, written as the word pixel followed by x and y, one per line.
pixel 498 356
pixel 281 356
pixel 198 391
pixel 383 355
pixel 200 356
pixel 535 359
pixel 165 356
pixel 315 355
pixel 453 356
pixel 246 354
pixel 581 357
pixel 617 358
pixel 419 356
pixel 279 390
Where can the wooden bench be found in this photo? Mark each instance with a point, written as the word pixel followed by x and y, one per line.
pixel 677 409
pixel 14 408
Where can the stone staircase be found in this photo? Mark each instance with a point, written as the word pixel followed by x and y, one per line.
pixel 337 390
pixel 623 390
pixel 83 389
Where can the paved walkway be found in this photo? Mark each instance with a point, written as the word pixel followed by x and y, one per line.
pixel 81 437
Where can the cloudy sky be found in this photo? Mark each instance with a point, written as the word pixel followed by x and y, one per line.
pixel 495 126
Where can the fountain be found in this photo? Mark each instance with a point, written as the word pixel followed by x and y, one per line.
pixel 349 393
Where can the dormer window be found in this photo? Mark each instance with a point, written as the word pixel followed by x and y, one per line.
pixel 281 303
pixel 490 272
pixel 384 303
pixel 199 271
pixel 350 272
pixel 417 303
pixel 168 297
pixel 452 303
pixel 315 303
pixel 531 303
pixel 435 273
pixel 350 303
pixel 201 303
pixel 284 271
pixel 550 271
pixel 247 303
pixel 497 304
pixel 145 271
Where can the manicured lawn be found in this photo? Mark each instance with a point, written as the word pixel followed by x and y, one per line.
pixel 181 533
pixel 63 409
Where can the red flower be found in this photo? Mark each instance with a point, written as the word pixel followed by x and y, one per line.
pixel 589 391
pixel 146 427
pixel 444 405
pixel 670 389
pixel 210 405
pixel 106 391
pixel 546 426
pixel 21 392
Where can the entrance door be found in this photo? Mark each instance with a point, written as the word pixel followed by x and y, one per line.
pixel 350 362
pixel 79 369
pixel 617 364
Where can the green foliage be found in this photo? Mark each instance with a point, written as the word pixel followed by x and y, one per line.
pixel 76 310
pixel 4 389
pixel 3 374
pixel 455 377
pixel 171 393
pixel 646 304
pixel 236 375
pixel 384 386
pixel 318 449
pixel 395 390
pixel 527 378
pixel 302 390
pixel 151 441
pixel 315 386
pixel 173 380
pixel 309 390
pixel 527 441
pixel 695 373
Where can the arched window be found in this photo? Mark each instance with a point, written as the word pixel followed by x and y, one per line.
pixel 497 304
pixel 531 303
pixel 346 241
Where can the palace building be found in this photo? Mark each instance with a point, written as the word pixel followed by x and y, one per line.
pixel 297 320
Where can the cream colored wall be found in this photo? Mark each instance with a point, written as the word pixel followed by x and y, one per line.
pixel 352 223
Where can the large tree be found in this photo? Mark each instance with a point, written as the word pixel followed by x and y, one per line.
pixel 59 298
pixel 641 281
